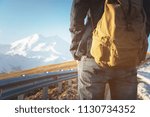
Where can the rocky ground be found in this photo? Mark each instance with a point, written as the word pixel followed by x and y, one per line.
pixel 67 92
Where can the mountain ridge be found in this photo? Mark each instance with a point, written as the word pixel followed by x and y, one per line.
pixel 33 51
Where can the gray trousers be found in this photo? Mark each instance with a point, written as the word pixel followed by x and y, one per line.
pixel 92 81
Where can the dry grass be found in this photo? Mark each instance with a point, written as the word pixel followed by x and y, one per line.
pixel 41 69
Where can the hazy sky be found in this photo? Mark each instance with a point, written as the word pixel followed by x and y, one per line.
pixel 21 18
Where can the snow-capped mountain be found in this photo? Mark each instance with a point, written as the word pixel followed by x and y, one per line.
pixel 22 46
pixel 33 51
pixel 144 81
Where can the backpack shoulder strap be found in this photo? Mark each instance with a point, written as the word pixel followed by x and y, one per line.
pixel 127 14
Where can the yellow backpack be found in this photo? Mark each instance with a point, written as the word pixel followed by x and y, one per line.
pixel 120 40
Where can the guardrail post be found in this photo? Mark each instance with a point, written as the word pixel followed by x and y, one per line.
pixel 107 95
pixel 59 87
pixel 69 88
pixel 45 93
pixel 21 97
pixel 69 84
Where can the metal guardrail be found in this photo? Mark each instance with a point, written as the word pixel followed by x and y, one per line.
pixel 17 87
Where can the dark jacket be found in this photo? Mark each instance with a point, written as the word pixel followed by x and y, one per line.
pixel 146 4
pixel 85 14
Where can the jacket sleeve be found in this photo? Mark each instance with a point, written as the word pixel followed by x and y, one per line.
pixel 146 4
pixel 78 14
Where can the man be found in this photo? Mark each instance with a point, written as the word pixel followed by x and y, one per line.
pixel 92 79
